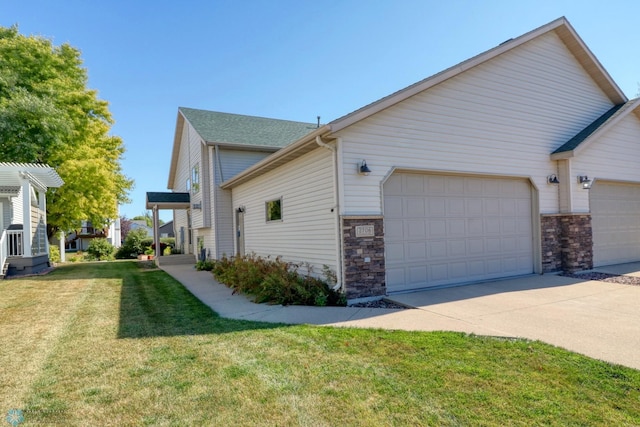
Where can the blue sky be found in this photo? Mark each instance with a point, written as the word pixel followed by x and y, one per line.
pixel 289 59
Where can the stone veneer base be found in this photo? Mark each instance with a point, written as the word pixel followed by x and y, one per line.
pixel 363 257
pixel 567 242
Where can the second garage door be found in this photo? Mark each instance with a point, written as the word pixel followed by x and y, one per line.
pixel 448 229
pixel 615 216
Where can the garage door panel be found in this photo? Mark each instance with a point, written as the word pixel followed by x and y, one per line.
pixel 393 230
pixel 475 226
pixel 437 249
pixel 436 207
pixel 393 207
pixel 492 207
pixel 414 207
pixel 416 251
pixel 615 217
pixel 457 248
pixel 456 229
pixel 475 247
pixel 415 229
pixel 455 207
pixel 437 227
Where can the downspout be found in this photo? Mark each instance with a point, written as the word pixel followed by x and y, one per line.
pixel 333 149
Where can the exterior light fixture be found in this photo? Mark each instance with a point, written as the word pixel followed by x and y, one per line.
pixel 585 181
pixel 552 179
pixel 363 169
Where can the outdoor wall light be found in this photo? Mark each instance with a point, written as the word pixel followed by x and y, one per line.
pixel 585 181
pixel 552 179
pixel 196 206
pixel 363 169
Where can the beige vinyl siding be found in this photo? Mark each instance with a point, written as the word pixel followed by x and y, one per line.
pixel 17 209
pixel 5 213
pixel 503 117
pixel 235 161
pixel 190 153
pixel 307 232
pixel 231 163
pixel 613 156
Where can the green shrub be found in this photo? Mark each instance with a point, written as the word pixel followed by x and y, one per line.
pixel 100 249
pixel 133 245
pixel 276 281
pixel 206 265
pixel 54 253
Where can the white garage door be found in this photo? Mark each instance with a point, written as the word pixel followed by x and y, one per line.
pixel 444 229
pixel 615 222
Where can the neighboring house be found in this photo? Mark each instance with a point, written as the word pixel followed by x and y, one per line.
pixel 521 160
pixel 137 224
pixel 166 230
pixel 79 240
pixel 24 248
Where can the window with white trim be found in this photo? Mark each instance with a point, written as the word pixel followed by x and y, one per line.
pixel 274 210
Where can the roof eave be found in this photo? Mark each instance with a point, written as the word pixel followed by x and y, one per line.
pixel 244 147
pixel 279 157
pixel 177 141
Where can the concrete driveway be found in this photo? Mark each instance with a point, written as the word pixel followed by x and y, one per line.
pixel 595 318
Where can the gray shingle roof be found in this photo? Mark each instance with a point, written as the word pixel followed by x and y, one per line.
pixel 585 133
pixel 154 197
pixel 216 127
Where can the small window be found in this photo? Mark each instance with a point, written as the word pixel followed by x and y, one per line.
pixel 274 210
pixel 188 185
pixel 195 178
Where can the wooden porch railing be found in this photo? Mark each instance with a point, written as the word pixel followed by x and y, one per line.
pixel 14 242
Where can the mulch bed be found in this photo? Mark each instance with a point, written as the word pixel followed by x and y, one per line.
pixel 606 277
pixel 381 303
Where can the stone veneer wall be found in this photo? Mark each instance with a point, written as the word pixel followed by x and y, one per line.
pixel 551 244
pixel 364 268
pixel 577 243
pixel 567 242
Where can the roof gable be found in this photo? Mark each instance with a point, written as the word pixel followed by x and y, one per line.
pixel 236 130
pixel 603 123
pixel 560 26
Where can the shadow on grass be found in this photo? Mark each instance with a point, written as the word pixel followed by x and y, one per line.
pixel 152 303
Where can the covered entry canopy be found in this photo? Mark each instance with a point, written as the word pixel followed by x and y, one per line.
pixel 168 200
pixel 157 201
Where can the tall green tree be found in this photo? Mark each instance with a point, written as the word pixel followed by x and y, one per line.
pixel 48 115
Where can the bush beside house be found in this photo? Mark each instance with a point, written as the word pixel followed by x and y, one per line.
pixel 275 281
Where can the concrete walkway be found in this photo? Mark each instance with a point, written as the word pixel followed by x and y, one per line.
pixel 598 319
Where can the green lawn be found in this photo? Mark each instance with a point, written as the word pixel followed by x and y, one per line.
pixel 113 344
